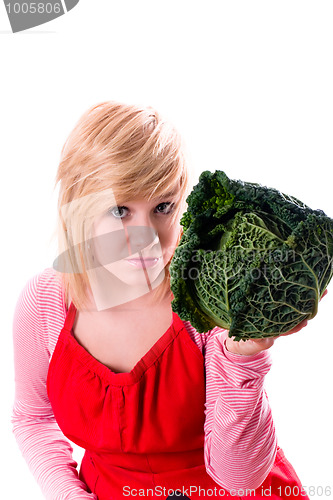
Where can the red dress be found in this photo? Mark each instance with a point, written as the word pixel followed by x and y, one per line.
pixel 143 431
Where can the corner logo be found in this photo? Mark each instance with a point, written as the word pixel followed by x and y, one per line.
pixel 26 14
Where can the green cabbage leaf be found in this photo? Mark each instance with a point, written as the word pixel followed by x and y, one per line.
pixel 251 259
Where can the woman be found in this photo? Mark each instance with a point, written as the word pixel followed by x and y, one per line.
pixel 100 357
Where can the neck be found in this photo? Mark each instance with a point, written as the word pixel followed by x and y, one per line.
pixel 150 300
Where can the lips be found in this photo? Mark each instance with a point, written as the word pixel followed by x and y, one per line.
pixel 144 262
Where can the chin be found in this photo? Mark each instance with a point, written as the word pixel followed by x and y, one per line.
pixel 138 278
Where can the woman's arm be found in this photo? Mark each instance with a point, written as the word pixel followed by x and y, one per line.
pixel 240 441
pixel 43 445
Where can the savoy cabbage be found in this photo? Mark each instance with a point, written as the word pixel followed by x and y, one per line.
pixel 251 259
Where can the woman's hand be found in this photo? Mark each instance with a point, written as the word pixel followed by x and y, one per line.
pixel 250 347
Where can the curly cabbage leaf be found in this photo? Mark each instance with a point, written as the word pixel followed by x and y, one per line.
pixel 251 259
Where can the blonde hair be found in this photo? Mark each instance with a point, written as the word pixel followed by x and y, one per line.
pixel 129 149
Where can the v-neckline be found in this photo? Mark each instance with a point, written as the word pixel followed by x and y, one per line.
pixel 147 360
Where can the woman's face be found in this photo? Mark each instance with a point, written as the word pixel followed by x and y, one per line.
pixel 135 240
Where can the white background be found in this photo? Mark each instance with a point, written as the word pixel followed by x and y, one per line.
pixel 248 84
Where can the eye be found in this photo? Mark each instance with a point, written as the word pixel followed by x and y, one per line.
pixel 118 212
pixel 165 208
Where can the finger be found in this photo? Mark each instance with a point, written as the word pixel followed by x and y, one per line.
pixel 296 329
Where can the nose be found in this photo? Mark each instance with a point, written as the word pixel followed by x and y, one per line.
pixel 141 233
pixel 141 217
pixel 140 238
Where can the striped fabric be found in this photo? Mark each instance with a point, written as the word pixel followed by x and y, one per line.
pixel 240 442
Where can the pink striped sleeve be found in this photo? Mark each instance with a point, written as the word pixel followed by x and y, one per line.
pixel 240 440
pixel 46 450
